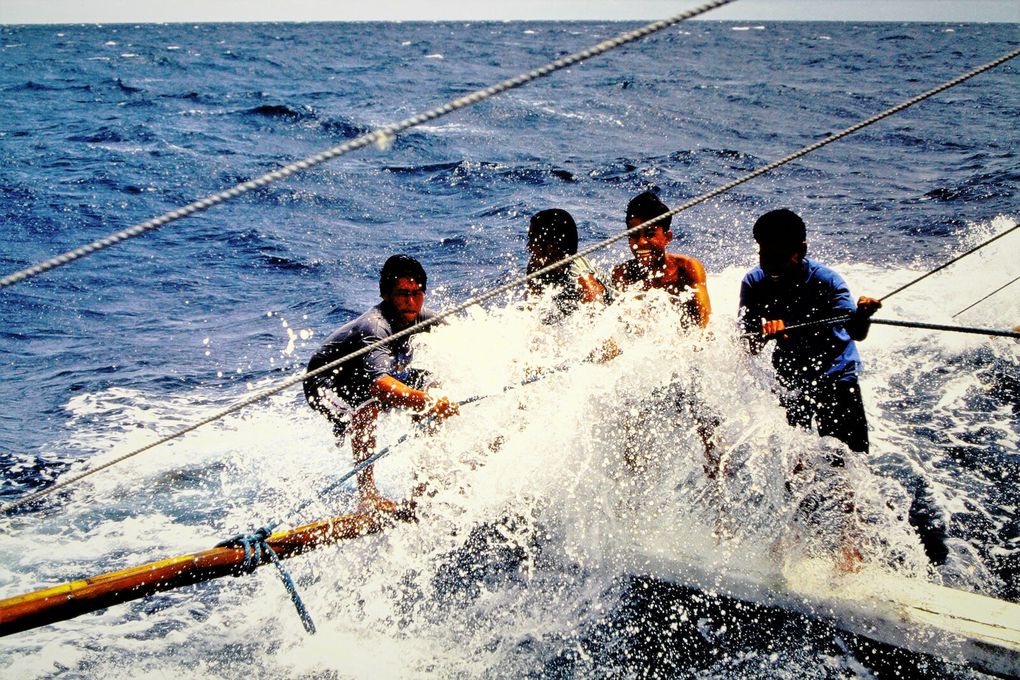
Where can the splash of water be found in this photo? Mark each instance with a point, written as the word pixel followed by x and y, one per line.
pixel 542 500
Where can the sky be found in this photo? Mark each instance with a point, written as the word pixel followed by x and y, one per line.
pixel 133 11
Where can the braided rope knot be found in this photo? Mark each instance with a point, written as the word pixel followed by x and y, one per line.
pixel 255 546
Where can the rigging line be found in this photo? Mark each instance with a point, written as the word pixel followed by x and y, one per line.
pixel 836 320
pixel 483 297
pixel 943 327
pixel 1005 285
pixel 381 136
pixel 955 259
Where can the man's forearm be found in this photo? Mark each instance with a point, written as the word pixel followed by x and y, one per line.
pixel 392 392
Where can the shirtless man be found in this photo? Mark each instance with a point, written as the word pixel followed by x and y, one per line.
pixel 679 275
pixel 653 267
pixel 354 394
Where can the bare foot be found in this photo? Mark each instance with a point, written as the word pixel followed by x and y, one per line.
pixel 373 502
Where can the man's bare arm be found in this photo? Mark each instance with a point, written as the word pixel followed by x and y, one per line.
pixel 591 289
pixel 695 272
pixel 392 392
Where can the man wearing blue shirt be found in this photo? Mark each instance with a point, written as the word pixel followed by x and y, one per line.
pixel 819 366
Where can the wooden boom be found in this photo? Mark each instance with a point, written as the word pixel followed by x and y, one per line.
pixel 69 600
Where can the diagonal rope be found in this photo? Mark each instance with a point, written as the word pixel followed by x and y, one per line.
pixel 972 306
pixel 955 259
pixel 499 290
pixel 382 137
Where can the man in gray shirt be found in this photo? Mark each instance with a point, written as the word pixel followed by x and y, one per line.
pixel 353 394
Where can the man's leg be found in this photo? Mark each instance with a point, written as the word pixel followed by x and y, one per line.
pixel 844 418
pixel 706 424
pixel 362 433
pixel 841 415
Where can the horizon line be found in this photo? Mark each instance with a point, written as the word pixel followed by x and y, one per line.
pixel 496 21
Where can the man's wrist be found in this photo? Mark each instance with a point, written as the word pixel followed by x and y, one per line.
pixel 427 401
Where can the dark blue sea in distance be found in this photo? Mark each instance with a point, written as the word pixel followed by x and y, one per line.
pixel 102 127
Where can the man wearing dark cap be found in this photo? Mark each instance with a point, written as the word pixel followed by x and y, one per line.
pixel 552 236
pixel 353 394
pixel 653 267
pixel 819 367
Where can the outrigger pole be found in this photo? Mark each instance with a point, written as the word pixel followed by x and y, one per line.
pixel 75 598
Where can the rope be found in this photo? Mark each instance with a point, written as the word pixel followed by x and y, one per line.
pixel 836 320
pixel 1006 285
pixel 478 299
pixel 382 137
pixel 255 545
pixel 958 257
pixel 941 327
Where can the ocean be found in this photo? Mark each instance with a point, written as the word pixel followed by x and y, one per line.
pixel 511 570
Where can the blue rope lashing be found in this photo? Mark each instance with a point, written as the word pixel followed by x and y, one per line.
pixel 254 544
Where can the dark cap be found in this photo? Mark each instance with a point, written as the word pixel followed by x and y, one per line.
pixel 554 226
pixel 781 227
pixel 399 267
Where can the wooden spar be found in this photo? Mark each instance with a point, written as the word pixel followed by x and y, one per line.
pixel 69 600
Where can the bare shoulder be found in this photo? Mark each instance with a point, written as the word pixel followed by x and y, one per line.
pixel 688 266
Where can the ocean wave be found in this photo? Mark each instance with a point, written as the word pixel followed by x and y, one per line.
pixel 34 86
pixel 108 134
pixel 279 111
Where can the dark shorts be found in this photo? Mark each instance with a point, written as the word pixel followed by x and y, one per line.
pixel 340 411
pixel 836 409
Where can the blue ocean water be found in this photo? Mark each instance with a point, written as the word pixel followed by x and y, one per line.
pixel 106 126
